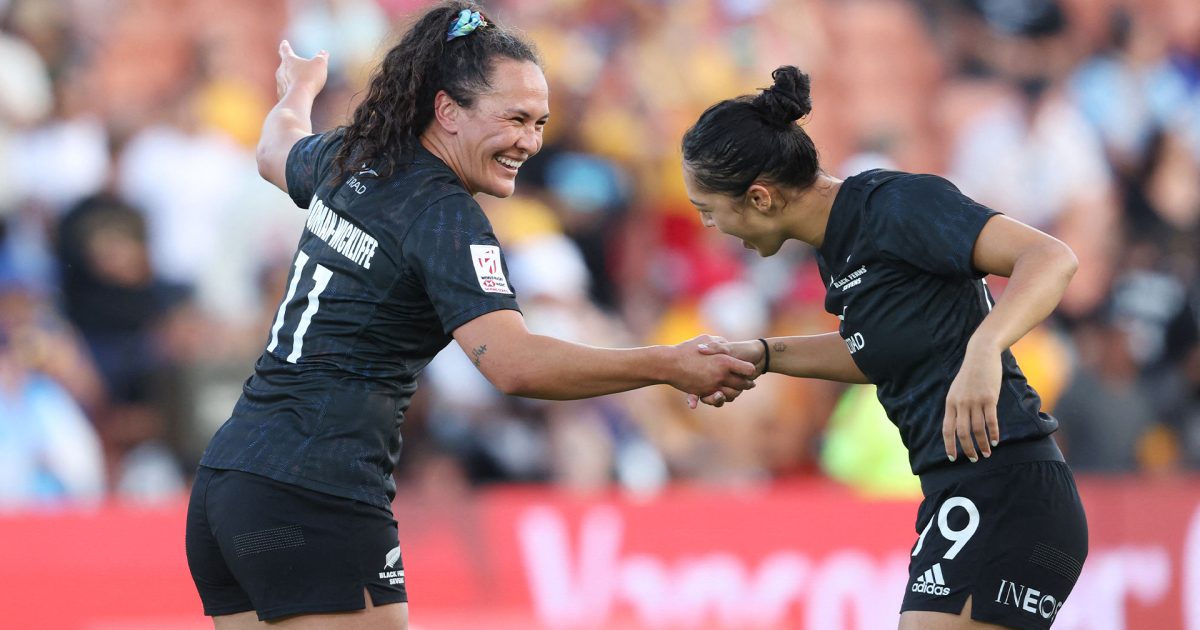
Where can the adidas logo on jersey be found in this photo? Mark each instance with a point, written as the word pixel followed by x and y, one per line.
pixel 931 582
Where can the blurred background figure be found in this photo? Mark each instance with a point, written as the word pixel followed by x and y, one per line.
pixel 140 243
pixel 49 451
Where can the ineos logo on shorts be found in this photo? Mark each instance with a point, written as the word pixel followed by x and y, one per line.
pixel 931 582
pixel 1028 599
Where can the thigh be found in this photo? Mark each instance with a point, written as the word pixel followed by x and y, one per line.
pixel 295 551
pixel 924 620
pixel 386 617
pixel 1012 540
pixel 219 590
pixel 238 621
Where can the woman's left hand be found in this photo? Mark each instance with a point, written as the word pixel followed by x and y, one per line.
pixel 296 71
pixel 971 405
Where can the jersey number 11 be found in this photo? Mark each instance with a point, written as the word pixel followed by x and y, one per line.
pixel 321 276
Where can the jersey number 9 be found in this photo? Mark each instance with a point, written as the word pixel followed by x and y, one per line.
pixel 958 536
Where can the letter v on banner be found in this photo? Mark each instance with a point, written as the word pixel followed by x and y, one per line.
pixel 566 595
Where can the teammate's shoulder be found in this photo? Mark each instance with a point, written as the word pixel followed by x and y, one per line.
pixel 337 134
pixel 423 181
pixel 315 153
pixel 450 198
pixel 326 139
pixel 443 208
pixel 905 181
pixel 892 188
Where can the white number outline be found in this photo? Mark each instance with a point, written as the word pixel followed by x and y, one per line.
pixel 321 277
pixel 959 536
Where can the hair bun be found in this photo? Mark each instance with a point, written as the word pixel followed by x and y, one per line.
pixel 789 99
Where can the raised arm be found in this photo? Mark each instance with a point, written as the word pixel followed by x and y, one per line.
pixel 298 81
pixel 521 363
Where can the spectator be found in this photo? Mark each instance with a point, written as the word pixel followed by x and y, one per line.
pixel 1086 115
pixel 49 452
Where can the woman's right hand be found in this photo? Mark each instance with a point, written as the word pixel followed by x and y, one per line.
pixel 296 72
pixel 749 351
pixel 705 371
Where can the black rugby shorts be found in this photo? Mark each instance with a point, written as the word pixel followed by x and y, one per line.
pixel 1013 538
pixel 254 543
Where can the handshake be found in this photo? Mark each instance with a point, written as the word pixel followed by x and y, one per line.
pixel 714 371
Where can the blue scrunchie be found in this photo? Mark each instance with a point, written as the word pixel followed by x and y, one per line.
pixel 466 24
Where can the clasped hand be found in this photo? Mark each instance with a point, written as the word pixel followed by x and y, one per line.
pixel 707 370
pixel 745 353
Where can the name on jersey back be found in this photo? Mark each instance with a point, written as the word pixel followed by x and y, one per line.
pixel 342 235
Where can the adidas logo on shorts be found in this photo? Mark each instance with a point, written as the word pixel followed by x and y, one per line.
pixel 931 582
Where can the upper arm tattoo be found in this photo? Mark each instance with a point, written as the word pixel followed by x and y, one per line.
pixel 477 354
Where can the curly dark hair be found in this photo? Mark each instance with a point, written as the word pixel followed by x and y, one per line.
pixel 399 102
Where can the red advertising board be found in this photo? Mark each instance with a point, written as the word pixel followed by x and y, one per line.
pixel 804 556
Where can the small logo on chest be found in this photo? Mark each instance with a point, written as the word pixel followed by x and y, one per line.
pixel 852 279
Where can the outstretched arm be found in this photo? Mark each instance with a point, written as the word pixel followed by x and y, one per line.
pixel 521 363
pixel 1039 267
pixel 810 356
pixel 298 81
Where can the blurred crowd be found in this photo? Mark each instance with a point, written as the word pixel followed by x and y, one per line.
pixel 141 257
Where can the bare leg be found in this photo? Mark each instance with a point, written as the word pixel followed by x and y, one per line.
pixel 388 617
pixel 237 621
pixel 926 620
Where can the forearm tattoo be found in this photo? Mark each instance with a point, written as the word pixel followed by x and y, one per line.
pixel 779 347
pixel 477 354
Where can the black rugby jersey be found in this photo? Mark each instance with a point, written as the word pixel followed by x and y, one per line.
pixel 896 262
pixel 386 270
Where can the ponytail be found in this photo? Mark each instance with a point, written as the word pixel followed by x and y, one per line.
pixel 740 140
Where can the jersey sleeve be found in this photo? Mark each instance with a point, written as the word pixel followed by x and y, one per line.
pixel 308 162
pixel 925 221
pixel 453 251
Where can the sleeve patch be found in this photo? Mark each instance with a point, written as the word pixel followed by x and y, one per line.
pixel 488 270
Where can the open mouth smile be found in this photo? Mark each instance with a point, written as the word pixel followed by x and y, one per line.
pixel 509 163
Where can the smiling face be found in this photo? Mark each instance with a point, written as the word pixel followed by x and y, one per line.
pixel 502 129
pixel 750 218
